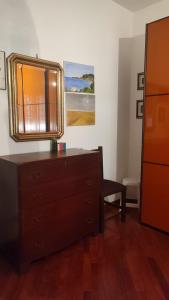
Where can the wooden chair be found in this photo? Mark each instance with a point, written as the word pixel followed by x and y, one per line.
pixel 112 187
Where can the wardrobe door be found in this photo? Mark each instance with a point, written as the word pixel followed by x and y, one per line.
pixel 155 196
pixel 156 129
pixel 157 58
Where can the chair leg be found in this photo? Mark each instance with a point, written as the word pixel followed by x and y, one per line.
pixel 123 206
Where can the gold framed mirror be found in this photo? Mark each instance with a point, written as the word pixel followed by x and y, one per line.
pixel 35 89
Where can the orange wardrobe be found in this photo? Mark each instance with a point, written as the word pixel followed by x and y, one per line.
pixel 155 154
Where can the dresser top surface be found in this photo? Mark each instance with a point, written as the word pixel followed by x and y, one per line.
pixel 40 156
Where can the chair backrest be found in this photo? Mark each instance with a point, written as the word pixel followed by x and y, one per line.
pixel 100 149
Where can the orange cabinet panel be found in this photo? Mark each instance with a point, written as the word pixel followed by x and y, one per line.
pixel 157 58
pixel 156 129
pixel 155 196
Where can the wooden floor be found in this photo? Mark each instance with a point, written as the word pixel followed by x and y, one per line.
pixel 129 262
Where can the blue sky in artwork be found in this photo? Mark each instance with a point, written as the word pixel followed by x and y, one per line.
pixel 77 70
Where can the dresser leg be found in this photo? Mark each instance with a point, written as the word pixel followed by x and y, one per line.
pixel 96 231
pixel 23 267
pixel 101 215
pixel 123 209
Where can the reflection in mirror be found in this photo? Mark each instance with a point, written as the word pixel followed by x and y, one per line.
pixel 36 98
pixel 37 103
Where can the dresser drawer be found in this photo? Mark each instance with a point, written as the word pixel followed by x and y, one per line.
pixel 40 243
pixel 42 194
pixel 86 204
pixel 51 228
pixel 41 172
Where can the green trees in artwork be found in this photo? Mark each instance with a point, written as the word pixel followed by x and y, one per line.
pixel 90 78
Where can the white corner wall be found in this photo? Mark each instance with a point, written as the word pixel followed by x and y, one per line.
pixel 135 126
pixel 123 120
pixel 81 31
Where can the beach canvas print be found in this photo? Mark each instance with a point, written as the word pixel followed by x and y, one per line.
pixel 80 109
pixel 79 78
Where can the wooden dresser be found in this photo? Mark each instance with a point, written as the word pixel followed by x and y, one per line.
pixel 48 201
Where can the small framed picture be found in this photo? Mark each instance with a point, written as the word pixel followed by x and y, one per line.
pixel 139 109
pixel 140 81
pixel 2 71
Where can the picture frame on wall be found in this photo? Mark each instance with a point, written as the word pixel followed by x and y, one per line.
pixel 79 78
pixel 2 71
pixel 139 109
pixel 140 81
pixel 79 83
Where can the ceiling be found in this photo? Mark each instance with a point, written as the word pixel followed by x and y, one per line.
pixel 135 5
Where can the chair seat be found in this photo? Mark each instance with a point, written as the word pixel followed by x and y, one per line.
pixel 112 187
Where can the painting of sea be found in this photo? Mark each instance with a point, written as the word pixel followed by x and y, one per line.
pixel 79 78
pixel 80 109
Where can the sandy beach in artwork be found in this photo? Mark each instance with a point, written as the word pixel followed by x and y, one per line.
pixel 80 118
pixel 80 109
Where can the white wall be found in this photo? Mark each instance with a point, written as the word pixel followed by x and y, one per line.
pixel 149 14
pixel 140 19
pixel 81 31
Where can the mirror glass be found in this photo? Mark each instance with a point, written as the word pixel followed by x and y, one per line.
pixel 35 98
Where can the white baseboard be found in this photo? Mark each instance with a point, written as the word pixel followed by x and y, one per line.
pixel 134 205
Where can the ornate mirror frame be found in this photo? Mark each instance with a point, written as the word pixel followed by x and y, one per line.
pixel 12 61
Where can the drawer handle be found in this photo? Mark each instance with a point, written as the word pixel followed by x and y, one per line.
pixel 36 176
pixel 36 197
pixel 88 201
pixel 89 182
pixel 37 244
pixel 36 220
pixel 90 221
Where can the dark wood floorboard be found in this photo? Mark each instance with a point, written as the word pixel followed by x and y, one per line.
pixel 128 262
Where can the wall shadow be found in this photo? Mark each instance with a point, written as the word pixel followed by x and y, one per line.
pixel 17 30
